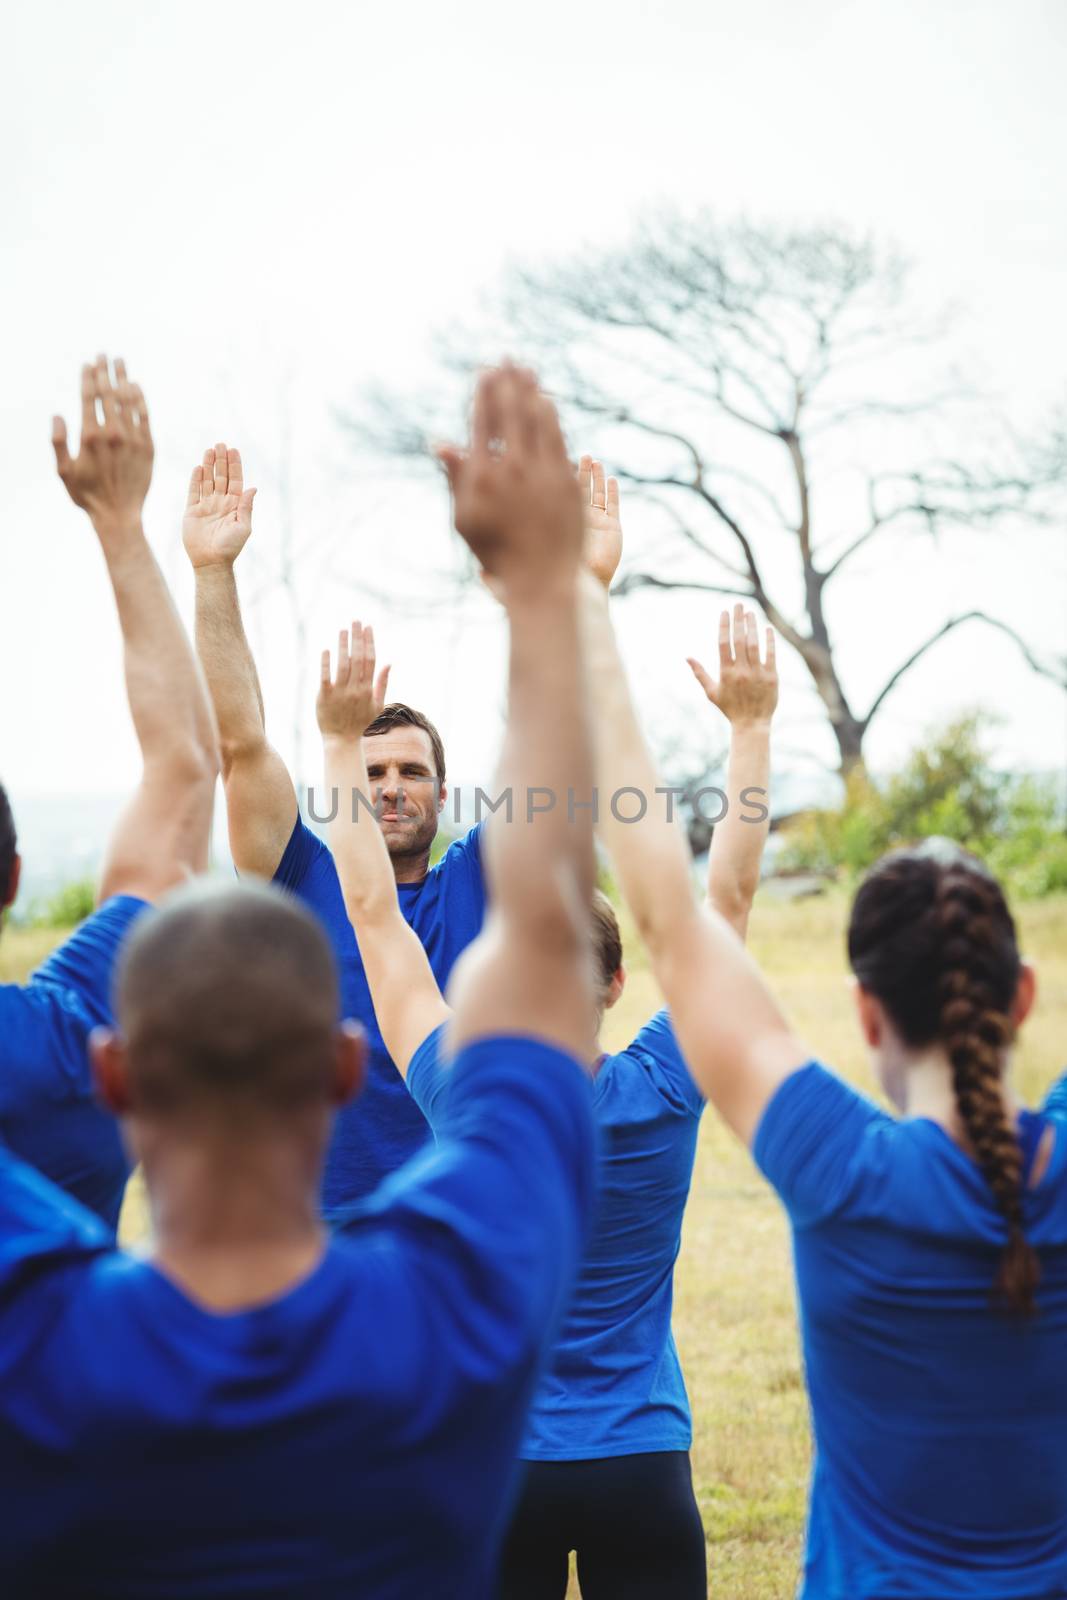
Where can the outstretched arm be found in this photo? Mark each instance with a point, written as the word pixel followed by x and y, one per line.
pixel 746 694
pixel 261 804
pixel 164 832
pixel 407 1001
pixel 736 1042
pixel 518 508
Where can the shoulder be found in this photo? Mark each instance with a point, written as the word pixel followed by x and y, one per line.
pixel 304 851
pixel 817 1141
pixel 41 1226
pixel 463 856
pixel 656 1050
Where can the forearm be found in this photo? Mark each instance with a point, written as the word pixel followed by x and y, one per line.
pixel 544 855
pixel 368 883
pixel 739 838
pixel 171 713
pixel 650 855
pixel 227 660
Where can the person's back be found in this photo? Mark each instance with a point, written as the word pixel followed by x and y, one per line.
pixel 940 1424
pixel 356 1428
pixel 613 1383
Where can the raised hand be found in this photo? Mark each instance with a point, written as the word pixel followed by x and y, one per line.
pixel 515 497
pixel 218 510
pixel 349 702
pixel 109 476
pixel 747 690
pixel 603 529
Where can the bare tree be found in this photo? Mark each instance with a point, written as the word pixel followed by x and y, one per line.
pixel 738 367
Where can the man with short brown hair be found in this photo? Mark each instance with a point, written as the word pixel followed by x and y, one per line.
pixel 445 904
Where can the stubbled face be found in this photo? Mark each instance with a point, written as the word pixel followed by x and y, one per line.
pixel 402 760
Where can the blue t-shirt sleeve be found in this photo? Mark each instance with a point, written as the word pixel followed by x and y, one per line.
pixel 41 1228
pixel 462 873
pixel 83 965
pixel 656 1046
pixel 304 861
pixel 1055 1102
pixel 813 1141
pixel 429 1077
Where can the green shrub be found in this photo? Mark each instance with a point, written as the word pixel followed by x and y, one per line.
pixel 947 786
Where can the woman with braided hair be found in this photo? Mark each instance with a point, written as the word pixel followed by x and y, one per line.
pixel 930 1248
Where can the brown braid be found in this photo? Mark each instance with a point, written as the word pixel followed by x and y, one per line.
pixel 932 937
pixel 974 1031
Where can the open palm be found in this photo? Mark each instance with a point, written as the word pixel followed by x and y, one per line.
pixel 218 511
pixel 603 527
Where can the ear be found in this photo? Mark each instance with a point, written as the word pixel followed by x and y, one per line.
pixel 13 884
pixel 870 1014
pixel 442 796
pixel 107 1053
pixel 1025 995
pixel 618 984
pixel 351 1065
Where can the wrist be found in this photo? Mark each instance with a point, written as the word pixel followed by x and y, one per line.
pixel 750 727
pixel 114 527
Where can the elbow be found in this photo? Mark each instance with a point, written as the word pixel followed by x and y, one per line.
pixel 238 750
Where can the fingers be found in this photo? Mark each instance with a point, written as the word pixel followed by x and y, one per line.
pixel 344 663
pixel 752 639
pixel 207 470
pixel 234 472
pixel 772 663
pixel 325 675
pixel 613 498
pixel 59 445
pixel 726 655
pixel 706 682
pixel 485 413
pixel 219 469
pixel 244 510
pixel 600 488
pixel 142 423
pixel 90 422
pixel 585 479
pixel 193 497
pixel 381 686
pixel 452 459
pixel 107 395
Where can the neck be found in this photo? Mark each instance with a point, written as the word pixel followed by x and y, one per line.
pixel 928 1092
pixel 411 869
pixel 235 1220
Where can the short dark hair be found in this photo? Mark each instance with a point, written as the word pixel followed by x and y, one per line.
pixel 607 940
pixel 228 993
pixel 8 845
pixel 398 715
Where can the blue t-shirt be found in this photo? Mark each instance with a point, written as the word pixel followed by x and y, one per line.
pixel 940 1424
pixel 613 1384
pixel 356 1436
pixel 1056 1099
pixel 48 1113
pixel 383 1127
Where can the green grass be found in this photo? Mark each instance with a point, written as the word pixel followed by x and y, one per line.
pixel 734 1316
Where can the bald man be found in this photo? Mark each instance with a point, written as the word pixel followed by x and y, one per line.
pixel 259 1408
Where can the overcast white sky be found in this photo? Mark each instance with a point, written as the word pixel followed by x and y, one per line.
pixel 229 193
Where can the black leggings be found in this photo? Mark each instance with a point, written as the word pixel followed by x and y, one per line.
pixel 632 1519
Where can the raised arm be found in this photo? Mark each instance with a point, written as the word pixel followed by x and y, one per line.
pixel 407 1001
pixel 746 693
pixel 261 804
pixel 735 1040
pixel 164 832
pixel 517 505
